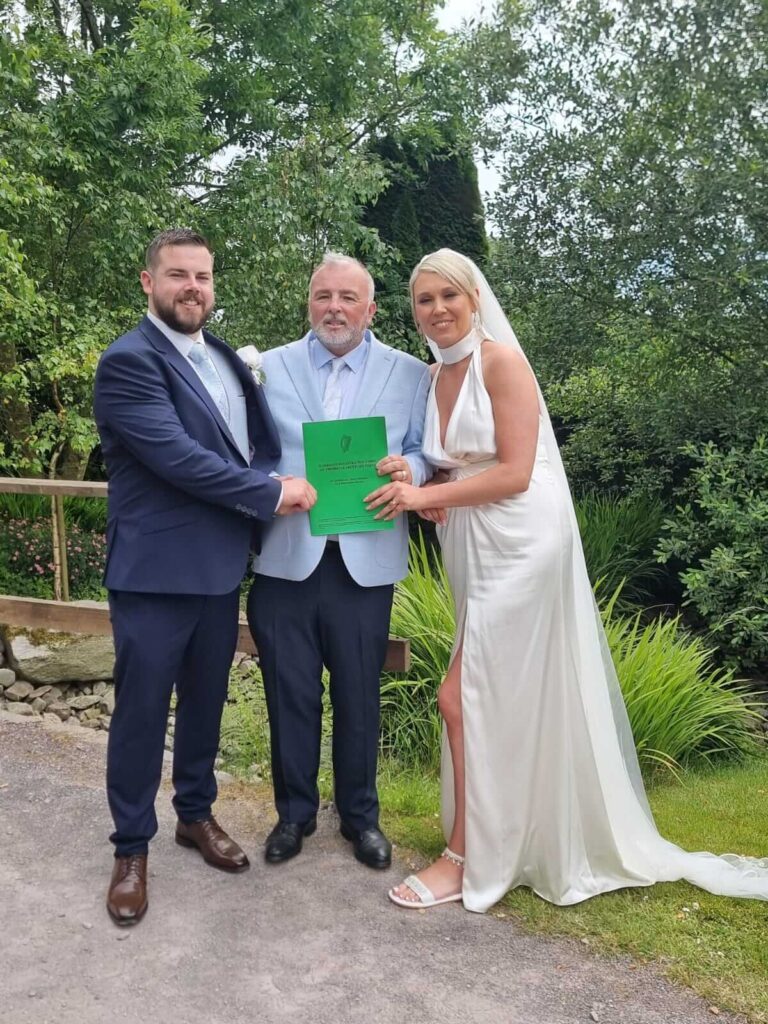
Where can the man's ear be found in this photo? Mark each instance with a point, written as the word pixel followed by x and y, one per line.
pixel 146 282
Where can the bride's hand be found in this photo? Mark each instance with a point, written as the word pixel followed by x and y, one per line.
pixel 394 498
pixel 434 515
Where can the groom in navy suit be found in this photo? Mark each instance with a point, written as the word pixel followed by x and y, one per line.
pixel 190 449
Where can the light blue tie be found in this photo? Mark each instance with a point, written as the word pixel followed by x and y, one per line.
pixel 208 374
pixel 332 395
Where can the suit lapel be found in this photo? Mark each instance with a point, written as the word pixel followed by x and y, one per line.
pixel 262 432
pixel 183 368
pixel 297 361
pixel 376 373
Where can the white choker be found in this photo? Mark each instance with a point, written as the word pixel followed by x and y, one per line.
pixel 455 353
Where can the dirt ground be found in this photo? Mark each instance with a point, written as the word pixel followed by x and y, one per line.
pixel 312 940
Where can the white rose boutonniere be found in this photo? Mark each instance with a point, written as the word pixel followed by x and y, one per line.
pixel 253 360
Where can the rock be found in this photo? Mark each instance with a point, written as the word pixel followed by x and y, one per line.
pixel 86 689
pixel 84 702
pixel 41 691
pixel 90 723
pixel 104 722
pixel 61 709
pixel 38 705
pixel 20 708
pixel 19 691
pixel 108 701
pixel 50 718
pixel 24 647
pixel 100 688
pixel 88 659
pixel 92 714
pixel 7 677
pixel 224 778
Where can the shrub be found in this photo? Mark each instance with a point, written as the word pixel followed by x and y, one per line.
pixel 619 535
pixel 682 710
pixel 244 725
pixel 26 559
pixel 720 535
pixel 88 513
pixel 422 612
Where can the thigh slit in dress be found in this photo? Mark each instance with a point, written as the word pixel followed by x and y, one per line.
pixel 550 803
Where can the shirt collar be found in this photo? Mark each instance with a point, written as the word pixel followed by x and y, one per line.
pixel 183 342
pixel 355 359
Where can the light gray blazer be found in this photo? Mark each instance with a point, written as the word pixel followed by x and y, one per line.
pixel 394 385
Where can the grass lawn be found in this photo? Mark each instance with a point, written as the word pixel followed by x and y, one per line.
pixel 717 946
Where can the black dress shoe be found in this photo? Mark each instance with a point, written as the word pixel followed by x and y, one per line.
pixel 284 841
pixel 371 846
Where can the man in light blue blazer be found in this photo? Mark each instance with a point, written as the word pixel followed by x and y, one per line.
pixel 321 601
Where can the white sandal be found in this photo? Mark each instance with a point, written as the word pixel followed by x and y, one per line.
pixel 425 894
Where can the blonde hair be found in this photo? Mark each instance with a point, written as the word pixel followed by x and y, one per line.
pixel 453 267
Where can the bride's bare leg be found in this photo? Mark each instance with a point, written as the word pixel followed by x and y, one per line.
pixel 443 877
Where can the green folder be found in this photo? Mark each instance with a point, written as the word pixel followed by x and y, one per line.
pixel 341 457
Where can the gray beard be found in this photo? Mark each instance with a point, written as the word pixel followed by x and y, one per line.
pixel 335 342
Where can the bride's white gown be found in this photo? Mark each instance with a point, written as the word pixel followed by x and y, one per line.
pixel 551 801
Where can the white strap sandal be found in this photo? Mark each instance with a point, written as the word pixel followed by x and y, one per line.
pixel 425 894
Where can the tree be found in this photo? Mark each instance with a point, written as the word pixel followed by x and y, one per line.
pixel 248 119
pixel 431 201
pixel 89 151
pixel 450 208
pixel 634 226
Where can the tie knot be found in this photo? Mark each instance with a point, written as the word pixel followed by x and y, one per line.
pixel 197 353
pixel 337 366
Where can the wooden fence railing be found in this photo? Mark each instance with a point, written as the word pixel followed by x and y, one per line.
pixel 92 617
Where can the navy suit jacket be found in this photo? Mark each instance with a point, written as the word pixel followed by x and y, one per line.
pixel 183 501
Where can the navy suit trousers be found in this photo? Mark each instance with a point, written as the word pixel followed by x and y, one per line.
pixel 162 641
pixel 327 619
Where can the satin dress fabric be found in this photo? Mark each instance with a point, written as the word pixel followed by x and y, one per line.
pixel 549 799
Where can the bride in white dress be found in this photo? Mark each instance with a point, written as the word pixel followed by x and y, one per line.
pixel 540 782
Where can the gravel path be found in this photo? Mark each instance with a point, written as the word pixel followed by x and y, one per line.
pixel 312 940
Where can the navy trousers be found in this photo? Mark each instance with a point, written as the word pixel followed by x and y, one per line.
pixel 162 641
pixel 330 620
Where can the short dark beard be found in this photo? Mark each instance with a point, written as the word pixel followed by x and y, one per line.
pixel 169 318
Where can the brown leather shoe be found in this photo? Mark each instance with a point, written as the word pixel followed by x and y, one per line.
pixel 212 841
pixel 127 897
